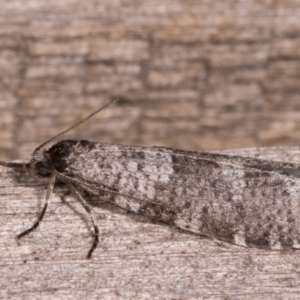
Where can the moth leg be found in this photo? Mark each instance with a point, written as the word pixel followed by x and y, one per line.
pixel 88 210
pixel 220 243
pixel 40 218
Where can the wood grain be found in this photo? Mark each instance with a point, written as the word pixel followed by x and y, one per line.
pixel 191 74
pixel 200 75
pixel 136 258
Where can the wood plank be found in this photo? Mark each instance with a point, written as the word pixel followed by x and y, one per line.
pixel 136 258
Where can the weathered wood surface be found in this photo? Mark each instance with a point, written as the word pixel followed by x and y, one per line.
pixel 198 75
pixel 136 259
pixel 201 74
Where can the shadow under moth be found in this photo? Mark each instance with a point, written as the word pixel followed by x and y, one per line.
pixel 240 200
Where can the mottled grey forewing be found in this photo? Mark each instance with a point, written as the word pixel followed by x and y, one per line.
pixel 241 200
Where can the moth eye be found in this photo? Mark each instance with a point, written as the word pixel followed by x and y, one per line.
pixel 43 168
pixel 43 172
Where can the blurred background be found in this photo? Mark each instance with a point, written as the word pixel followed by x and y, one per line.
pixel 197 75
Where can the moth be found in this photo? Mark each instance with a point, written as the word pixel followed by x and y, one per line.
pixel 245 201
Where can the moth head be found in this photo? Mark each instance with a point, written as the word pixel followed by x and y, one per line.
pixel 57 158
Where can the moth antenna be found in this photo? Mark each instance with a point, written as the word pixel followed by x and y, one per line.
pixel 38 149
